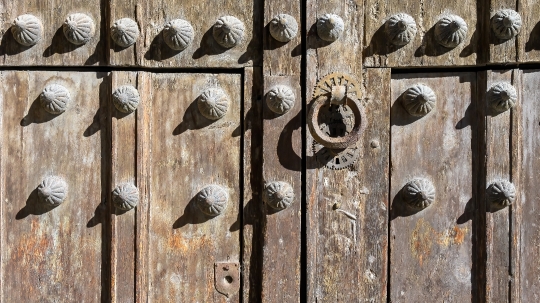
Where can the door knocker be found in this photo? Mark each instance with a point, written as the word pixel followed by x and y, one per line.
pixel 336 120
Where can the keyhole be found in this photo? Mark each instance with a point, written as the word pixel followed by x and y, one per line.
pixel 228 279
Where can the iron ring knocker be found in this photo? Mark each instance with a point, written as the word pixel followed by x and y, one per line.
pixel 338 96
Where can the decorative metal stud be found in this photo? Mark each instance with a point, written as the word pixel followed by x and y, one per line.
pixel 419 100
pixel 178 34
pixel 280 99
pixel 501 193
pixel 79 28
pixel 126 99
pixel 506 24
pixel 418 193
pixel 125 32
pixel 228 31
pixel 54 98
pixel 283 27
pixel 400 29
pixel 212 200
pixel 278 195
pixel 125 196
pixel 502 96
pixel 450 31
pixel 52 191
pixel 27 30
pixel 213 103
pixel 330 27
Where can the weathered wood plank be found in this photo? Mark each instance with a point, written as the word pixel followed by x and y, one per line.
pixel 282 162
pixel 529 38
pixel 498 167
pixel 253 216
pixel 124 170
pixel 501 50
pixel 59 254
pixel 54 48
pixel 528 190
pixel 187 153
pixel 423 49
pixel 348 210
pixel 151 16
pixel 431 250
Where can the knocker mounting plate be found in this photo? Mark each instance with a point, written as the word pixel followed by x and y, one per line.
pixel 336 120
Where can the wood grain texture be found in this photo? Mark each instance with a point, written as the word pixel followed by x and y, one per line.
pixel 347 217
pixel 54 48
pixel 59 254
pixel 528 164
pixel 124 170
pixel 282 157
pixel 498 161
pixel 423 50
pixel 253 216
pixel 187 152
pixel 281 58
pixel 432 250
pixel 529 38
pixel 151 16
pixel 502 51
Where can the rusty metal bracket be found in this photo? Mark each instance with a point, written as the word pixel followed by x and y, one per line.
pixel 227 278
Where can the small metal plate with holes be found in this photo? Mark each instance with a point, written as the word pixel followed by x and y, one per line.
pixel 227 278
pixel 336 121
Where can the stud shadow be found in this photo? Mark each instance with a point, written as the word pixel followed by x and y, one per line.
pixel 400 208
pixel 468 213
pixel 60 44
pixel 534 39
pixel 208 46
pixel 471 48
pixel 430 47
pixel 100 215
pixel 36 114
pixel 313 40
pixel 101 117
pixel 380 44
pixel 269 42
pixel 192 120
pixel 117 48
pixel 34 206
pixel 399 116
pixel 9 46
pixel 191 215
pixel 159 50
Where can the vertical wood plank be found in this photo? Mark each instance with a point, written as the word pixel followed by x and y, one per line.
pixel 253 216
pixel 53 48
pixel 423 50
pixel 188 153
pixel 529 38
pixel 124 170
pixel 528 191
pixel 282 160
pixel 498 167
pixel 502 51
pixel 432 250
pixel 54 254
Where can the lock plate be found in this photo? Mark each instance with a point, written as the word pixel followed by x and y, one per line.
pixel 227 278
